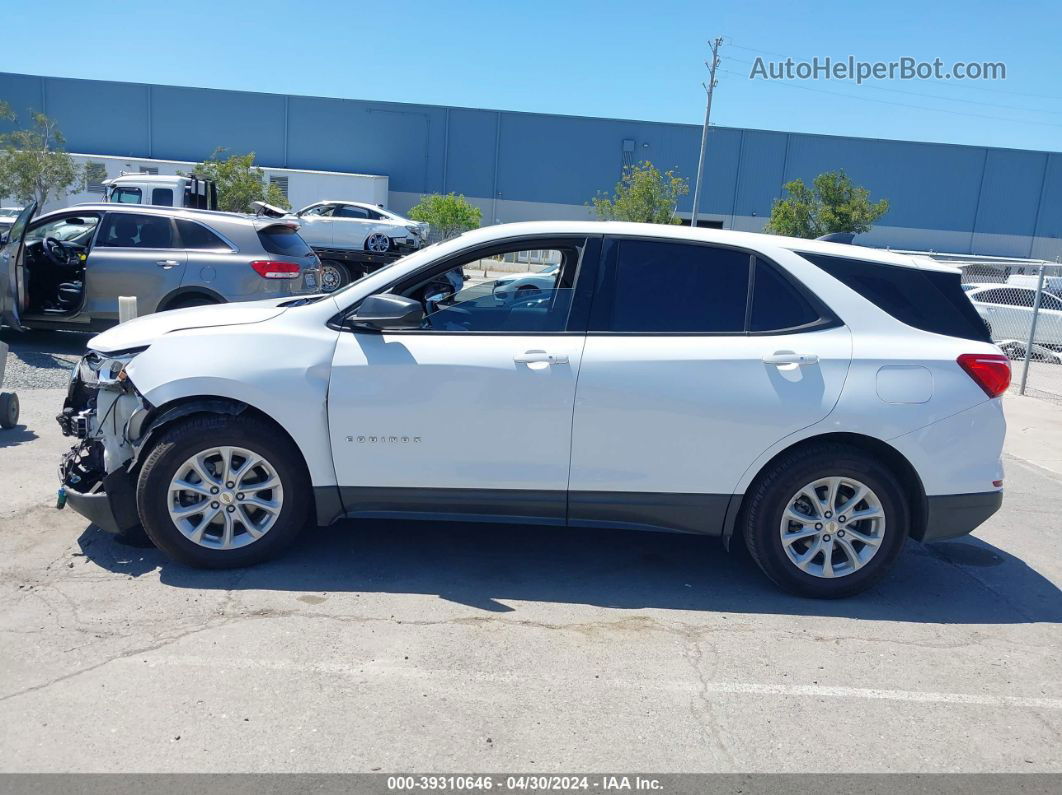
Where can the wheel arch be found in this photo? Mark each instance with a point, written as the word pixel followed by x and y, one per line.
pixel 897 462
pixel 326 509
pixel 184 292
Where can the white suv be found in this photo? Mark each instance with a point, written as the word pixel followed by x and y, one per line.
pixel 822 401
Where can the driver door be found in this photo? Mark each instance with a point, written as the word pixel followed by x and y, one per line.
pixel 12 270
pixel 471 415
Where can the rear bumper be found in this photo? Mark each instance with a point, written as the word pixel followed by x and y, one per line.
pixel 951 515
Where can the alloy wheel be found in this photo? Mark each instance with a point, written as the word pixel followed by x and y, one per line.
pixel 225 497
pixel 832 527
pixel 378 243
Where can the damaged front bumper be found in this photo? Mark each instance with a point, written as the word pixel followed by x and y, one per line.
pixel 105 413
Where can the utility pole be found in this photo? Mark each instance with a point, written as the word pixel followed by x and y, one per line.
pixel 710 87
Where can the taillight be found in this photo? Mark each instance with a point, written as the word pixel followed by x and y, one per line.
pixel 991 371
pixel 271 269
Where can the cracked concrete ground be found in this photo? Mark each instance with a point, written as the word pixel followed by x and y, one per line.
pixel 433 647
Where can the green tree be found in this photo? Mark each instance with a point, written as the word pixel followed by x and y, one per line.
pixel 832 204
pixel 448 215
pixel 34 166
pixel 643 194
pixel 240 182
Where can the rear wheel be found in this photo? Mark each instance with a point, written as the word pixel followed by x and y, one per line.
pixel 222 492
pixel 826 521
pixel 378 243
pixel 334 275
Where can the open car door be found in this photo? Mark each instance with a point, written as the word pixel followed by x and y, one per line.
pixel 12 272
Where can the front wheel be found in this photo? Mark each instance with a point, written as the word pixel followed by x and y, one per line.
pixel 222 492
pixel 826 521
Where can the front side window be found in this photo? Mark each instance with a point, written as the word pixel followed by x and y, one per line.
pixel 663 287
pixel 126 195
pixel 69 229
pixel 324 210
pixel 513 298
pixel 129 230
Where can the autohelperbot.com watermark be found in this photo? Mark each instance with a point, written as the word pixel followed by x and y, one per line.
pixel 859 71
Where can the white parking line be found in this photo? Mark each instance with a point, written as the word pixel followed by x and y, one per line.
pixel 364 671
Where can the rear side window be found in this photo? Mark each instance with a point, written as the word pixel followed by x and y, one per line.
pixel 283 240
pixel 162 197
pixel 678 287
pixel 195 235
pixel 928 300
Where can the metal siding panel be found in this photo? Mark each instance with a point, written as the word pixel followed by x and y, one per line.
pixel 1010 192
pixel 363 137
pixel 562 160
pixel 77 106
pixel 927 185
pixel 190 123
pixel 1049 218
pixel 22 93
pixel 471 155
pixel 760 173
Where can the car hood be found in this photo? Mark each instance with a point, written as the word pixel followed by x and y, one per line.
pixel 144 330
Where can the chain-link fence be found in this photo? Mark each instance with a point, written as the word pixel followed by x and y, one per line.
pixel 1020 302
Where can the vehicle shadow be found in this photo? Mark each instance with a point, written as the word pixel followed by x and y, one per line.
pixel 17 435
pixel 958 582
pixel 46 348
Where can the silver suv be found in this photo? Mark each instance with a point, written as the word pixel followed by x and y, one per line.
pixel 67 268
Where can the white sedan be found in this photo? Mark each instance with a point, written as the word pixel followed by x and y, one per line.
pixel 1007 310
pixel 355 225
pixel 525 285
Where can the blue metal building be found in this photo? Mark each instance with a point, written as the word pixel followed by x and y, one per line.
pixel 520 166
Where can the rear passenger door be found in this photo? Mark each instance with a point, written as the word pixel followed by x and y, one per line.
pixel 134 254
pixel 698 359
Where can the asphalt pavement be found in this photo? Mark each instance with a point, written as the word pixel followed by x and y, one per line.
pixel 404 646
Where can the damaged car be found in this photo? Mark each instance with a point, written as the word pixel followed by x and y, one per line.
pixel 664 378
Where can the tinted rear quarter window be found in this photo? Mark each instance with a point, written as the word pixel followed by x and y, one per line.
pixel 928 300
pixel 678 287
pixel 195 235
pixel 283 240
pixel 777 304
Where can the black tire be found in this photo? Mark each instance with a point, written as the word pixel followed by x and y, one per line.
pixel 334 275
pixel 770 494
pixel 134 537
pixel 188 301
pixel 9 410
pixel 201 432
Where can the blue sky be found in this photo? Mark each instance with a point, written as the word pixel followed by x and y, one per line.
pixel 640 60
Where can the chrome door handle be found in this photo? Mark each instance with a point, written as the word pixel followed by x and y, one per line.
pixel 532 357
pixel 166 263
pixel 788 357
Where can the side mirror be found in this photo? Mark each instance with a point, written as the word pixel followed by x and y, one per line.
pixel 389 312
pixel 3 238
